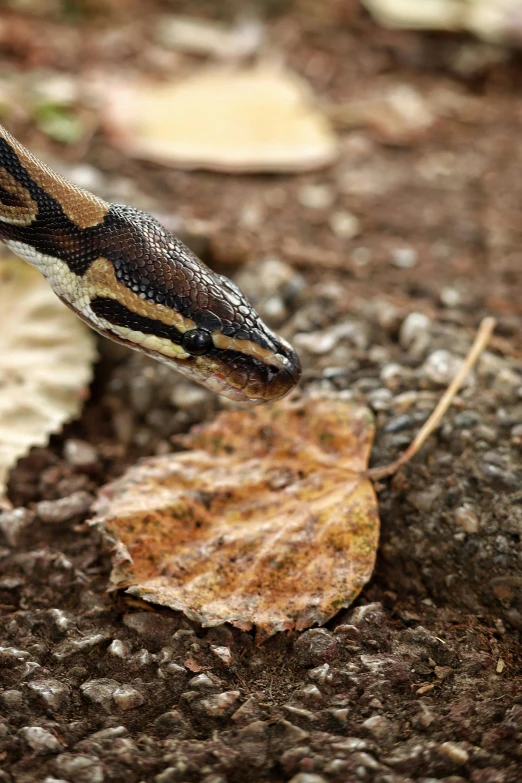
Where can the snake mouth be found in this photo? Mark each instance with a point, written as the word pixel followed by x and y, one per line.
pixel 264 381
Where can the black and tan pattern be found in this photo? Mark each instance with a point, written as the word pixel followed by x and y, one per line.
pixel 131 280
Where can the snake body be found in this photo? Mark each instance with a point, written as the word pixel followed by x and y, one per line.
pixel 127 277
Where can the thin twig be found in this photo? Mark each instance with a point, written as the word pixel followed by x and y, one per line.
pixel 481 340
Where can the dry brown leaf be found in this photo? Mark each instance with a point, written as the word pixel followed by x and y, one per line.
pixel 265 521
pixel 46 358
pixel 251 119
pixel 498 21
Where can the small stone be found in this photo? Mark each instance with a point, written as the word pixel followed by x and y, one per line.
pixel 61 621
pixel 466 518
pixel 89 642
pixel 378 726
pixel 13 525
pixel 249 712
pixel 117 648
pixel 174 670
pixel 415 334
pixel 466 419
pixel 79 768
pixel 320 674
pixel 192 399
pixel 253 741
pixel 56 512
pixel 455 752
pixel 309 694
pixel 315 196
pixel 441 366
pixel 171 723
pixel 223 653
pixel 450 297
pixel 79 453
pixel 40 740
pixel 316 646
pixel 307 777
pixel 442 672
pixel 345 225
pixel 142 658
pixel 100 692
pixel 127 698
pixel 399 423
pixel 340 714
pixel 53 694
pixel 12 700
pixel 290 734
pixel 424 500
pixel 516 431
pixel 404 257
pixel 506 382
pixel 221 703
pixel 11 655
pixel 169 775
pixel 348 633
pixel 204 680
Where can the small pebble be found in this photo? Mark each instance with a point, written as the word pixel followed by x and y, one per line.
pixel 450 297
pixel 100 692
pixel 466 420
pixel 202 681
pixel 415 334
pixel 378 726
pixel 516 431
pixel 316 646
pixel 80 768
pixel 223 653
pixel 221 703
pixel 320 674
pixel 399 423
pixel 52 694
pixel 345 225
pixel 441 366
pixel 56 512
pixel 194 400
pixel 404 257
pixel 171 723
pixel 13 525
pixel 466 518
pixel 248 713
pixel 12 700
pixel 61 621
pixel 40 740
pixel 117 648
pixel 315 196
pixel 455 752
pixel 127 698
pixel 79 454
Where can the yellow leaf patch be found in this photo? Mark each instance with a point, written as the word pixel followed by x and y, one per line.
pixel 264 521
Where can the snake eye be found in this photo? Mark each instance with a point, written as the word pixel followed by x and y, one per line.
pixel 196 341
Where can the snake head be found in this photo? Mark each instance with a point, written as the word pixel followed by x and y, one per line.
pixel 240 357
pixel 158 297
pixel 231 350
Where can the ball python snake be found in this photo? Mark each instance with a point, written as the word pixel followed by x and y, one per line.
pixel 128 278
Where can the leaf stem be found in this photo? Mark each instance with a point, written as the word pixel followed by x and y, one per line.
pixel 479 344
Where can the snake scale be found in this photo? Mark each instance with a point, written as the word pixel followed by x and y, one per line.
pixel 128 278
